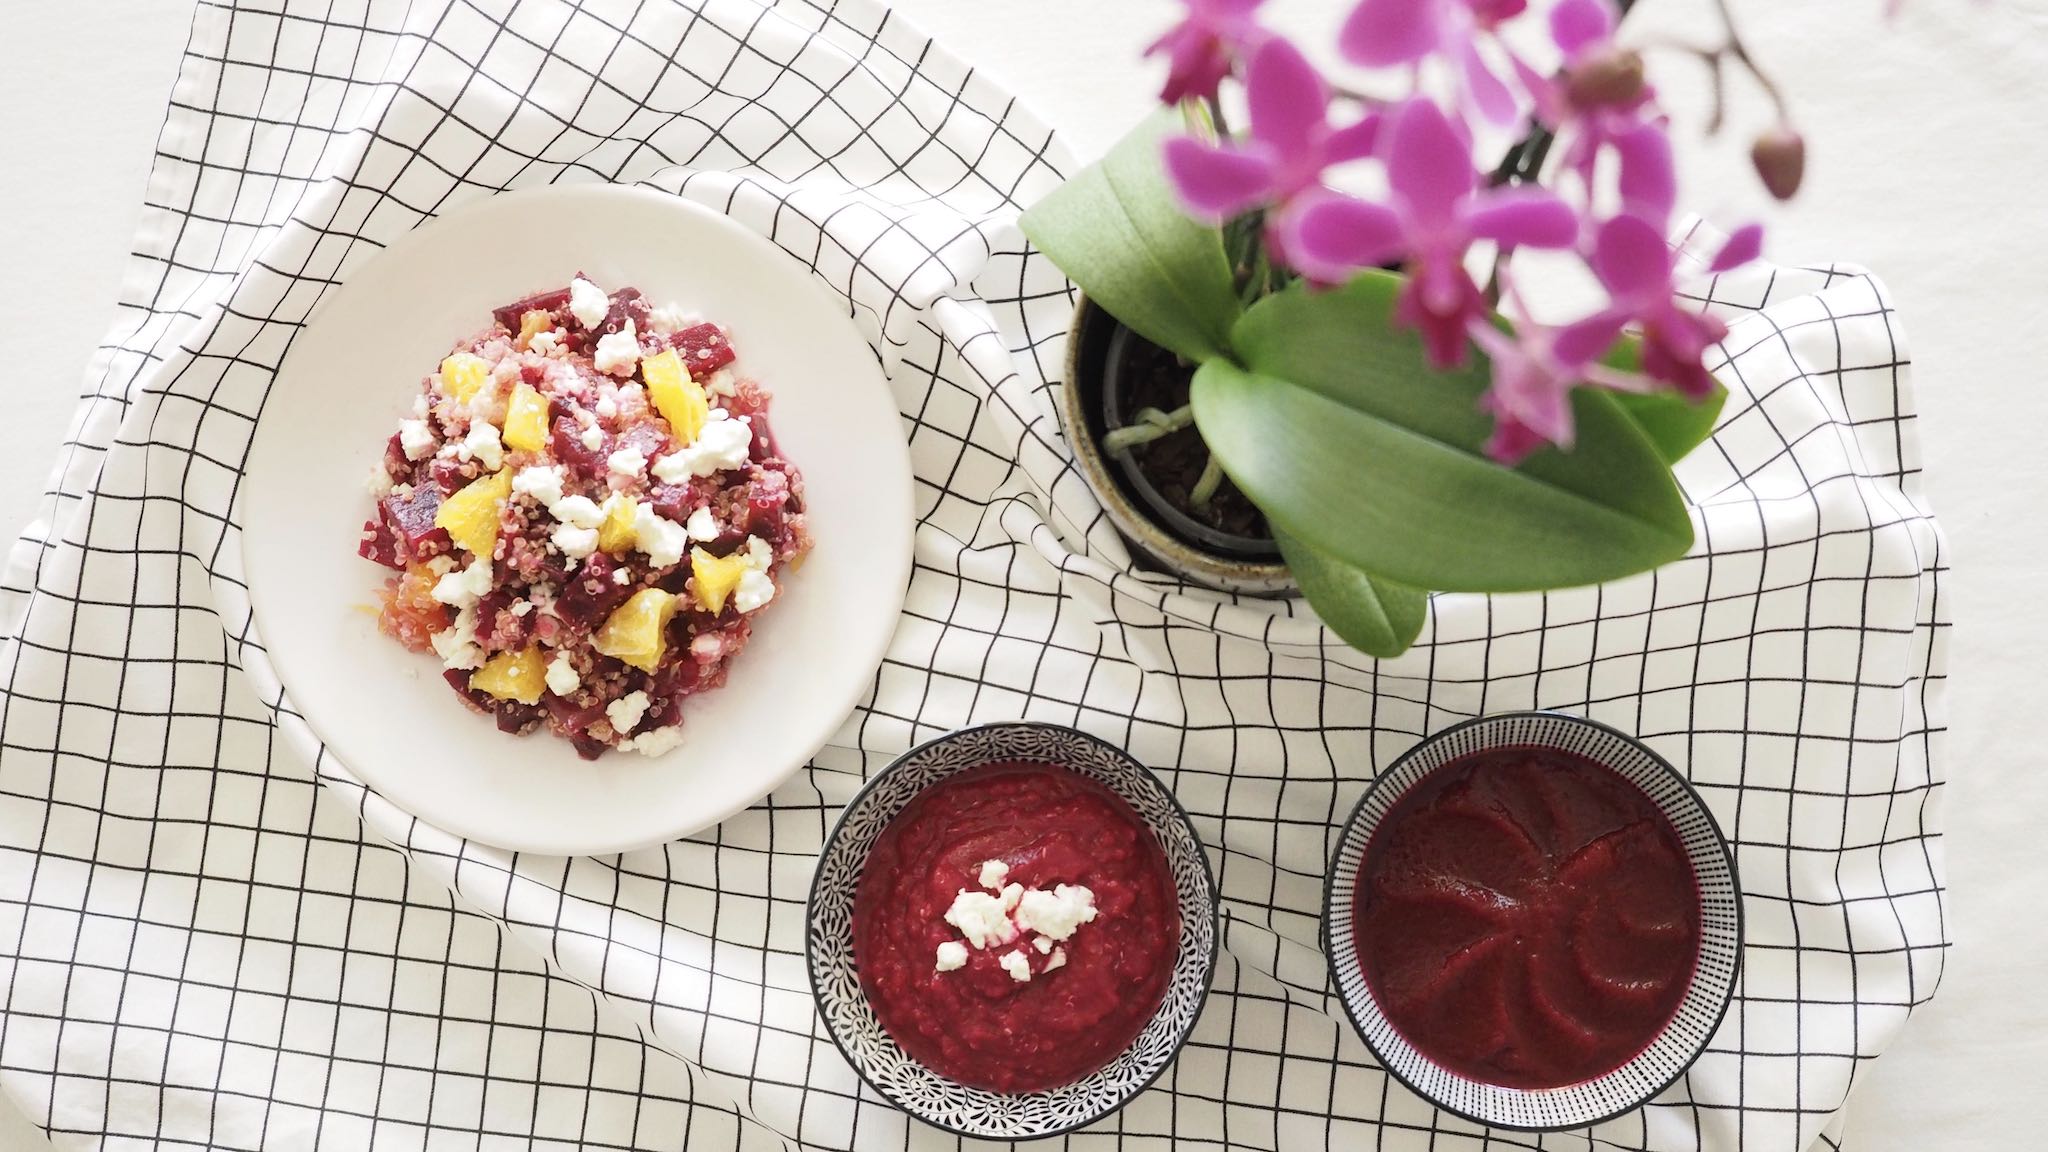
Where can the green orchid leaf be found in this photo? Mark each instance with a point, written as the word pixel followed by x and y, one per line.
pixel 1371 613
pixel 1675 424
pixel 1118 231
pixel 1350 442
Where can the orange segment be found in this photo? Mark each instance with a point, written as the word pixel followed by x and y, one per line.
pixel 679 399
pixel 464 375
pixel 616 533
pixel 471 516
pixel 520 676
pixel 526 419
pixel 715 577
pixel 635 631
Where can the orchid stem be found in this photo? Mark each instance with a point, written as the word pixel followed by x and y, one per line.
pixel 1736 48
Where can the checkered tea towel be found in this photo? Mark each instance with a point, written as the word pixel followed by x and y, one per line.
pixel 212 936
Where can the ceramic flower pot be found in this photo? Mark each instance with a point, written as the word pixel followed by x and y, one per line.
pixel 1112 372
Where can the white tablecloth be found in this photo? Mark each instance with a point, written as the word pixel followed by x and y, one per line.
pixel 1922 343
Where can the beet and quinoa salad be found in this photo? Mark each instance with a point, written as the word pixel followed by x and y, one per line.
pixel 586 511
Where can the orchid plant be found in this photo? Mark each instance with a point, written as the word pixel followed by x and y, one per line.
pixel 1340 275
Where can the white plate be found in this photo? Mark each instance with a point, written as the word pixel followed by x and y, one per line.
pixel 353 373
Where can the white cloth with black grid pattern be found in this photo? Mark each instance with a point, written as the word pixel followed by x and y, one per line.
pixel 214 937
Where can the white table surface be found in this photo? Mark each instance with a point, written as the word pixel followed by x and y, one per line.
pixel 1929 146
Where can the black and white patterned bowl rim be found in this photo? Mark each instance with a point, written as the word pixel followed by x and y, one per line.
pixel 926 1094
pixel 1699 1014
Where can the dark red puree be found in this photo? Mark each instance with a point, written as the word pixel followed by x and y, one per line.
pixel 977 1024
pixel 1527 917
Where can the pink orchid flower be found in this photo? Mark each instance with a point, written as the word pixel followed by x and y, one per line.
pixel 1588 112
pixel 1387 33
pixel 1203 48
pixel 1287 148
pixel 1437 210
pixel 1637 268
pixel 1534 372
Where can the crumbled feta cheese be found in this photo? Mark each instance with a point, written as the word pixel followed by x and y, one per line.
pixel 721 446
pixel 588 302
pixel 456 644
pixel 544 484
pixel 721 383
pixel 1042 943
pixel 416 438
pixel 702 525
pixel 419 406
pixel 606 407
pixel 580 511
pixel 655 741
pixel 464 588
pixel 627 461
pixel 952 955
pixel 1059 959
pixel 522 607
pixel 982 918
pixel 545 343
pixel 662 539
pixel 483 445
pixel 759 555
pixel 622 575
pixel 1018 965
pixel 562 678
pixel 618 352
pixel 626 711
pixel 573 542
pixel 1056 913
pixel 753 592
pixel 669 318
pixel 378 481
pixel 993 873
pixel 440 565
pixel 592 437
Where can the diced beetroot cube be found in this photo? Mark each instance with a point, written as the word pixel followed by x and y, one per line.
pixel 626 305
pixel 395 462
pixel 411 519
pixel 704 349
pixel 649 439
pixel 450 475
pixel 574 723
pixel 380 544
pixel 767 498
pixel 763 448
pixel 508 316
pixel 514 717
pixel 673 501
pixel 567 440
pixel 590 595
pixel 458 679
pixel 497 629
pixel 533 375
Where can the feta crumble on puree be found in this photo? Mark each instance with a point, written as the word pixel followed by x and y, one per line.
pixel 585 510
pixel 1015 926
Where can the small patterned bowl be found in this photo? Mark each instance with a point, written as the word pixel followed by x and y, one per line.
pixel 1699 1013
pixel 925 1094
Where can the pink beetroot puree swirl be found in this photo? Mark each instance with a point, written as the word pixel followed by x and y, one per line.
pixel 977 1024
pixel 1527 917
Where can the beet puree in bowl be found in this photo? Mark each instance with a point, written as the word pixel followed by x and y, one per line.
pixel 1533 921
pixel 1012 930
pixel 1021 1011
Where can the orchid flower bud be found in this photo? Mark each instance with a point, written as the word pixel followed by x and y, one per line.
pixel 1613 78
pixel 1780 158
